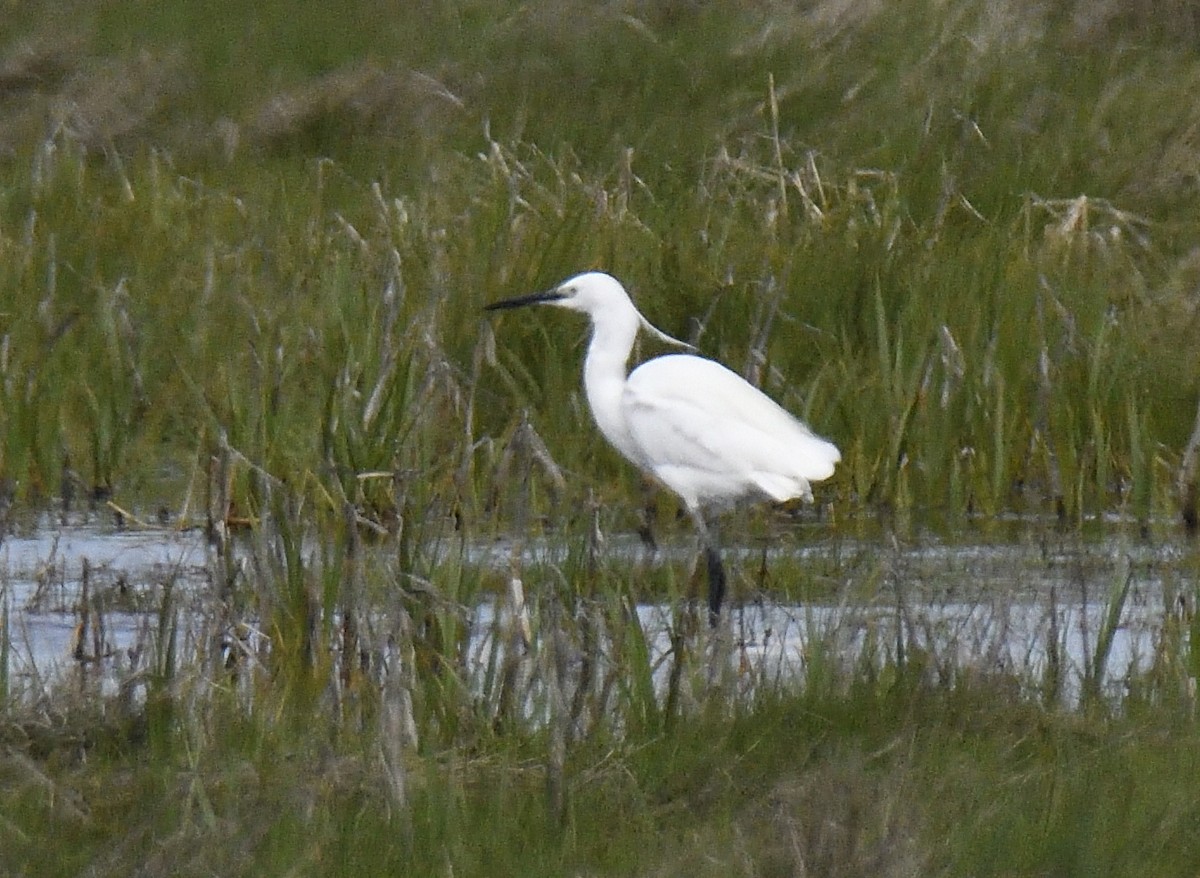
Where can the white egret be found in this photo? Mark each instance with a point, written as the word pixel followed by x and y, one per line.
pixel 690 423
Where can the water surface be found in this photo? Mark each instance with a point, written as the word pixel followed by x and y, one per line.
pixel 1018 605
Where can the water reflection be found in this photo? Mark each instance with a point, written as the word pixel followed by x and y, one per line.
pixel 1026 607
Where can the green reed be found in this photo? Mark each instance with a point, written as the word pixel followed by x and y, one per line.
pixel 901 222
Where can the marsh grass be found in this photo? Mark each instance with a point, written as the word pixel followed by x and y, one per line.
pixel 958 238
pixel 848 279
pixel 379 724
pixel 374 309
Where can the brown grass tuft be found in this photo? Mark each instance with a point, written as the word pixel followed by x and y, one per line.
pixel 37 65
pixel 840 819
pixel 119 98
pixel 47 90
pixel 363 98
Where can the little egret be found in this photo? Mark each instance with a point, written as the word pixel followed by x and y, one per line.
pixel 690 423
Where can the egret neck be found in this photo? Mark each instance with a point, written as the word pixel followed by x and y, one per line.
pixel 604 370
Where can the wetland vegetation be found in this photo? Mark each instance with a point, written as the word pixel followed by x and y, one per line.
pixel 243 255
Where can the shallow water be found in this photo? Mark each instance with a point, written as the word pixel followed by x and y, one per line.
pixel 1011 606
pixel 42 588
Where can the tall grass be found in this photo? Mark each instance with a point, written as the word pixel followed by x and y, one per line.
pixel 373 308
pixel 878 270
pixel 243 253
pixel 306 749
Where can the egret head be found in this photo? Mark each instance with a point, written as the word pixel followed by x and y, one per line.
pixel 594 293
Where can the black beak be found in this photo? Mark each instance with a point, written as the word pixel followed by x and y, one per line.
pixel 531 299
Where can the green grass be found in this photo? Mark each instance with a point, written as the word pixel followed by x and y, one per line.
pixel 359 732
pixel 884 209
pixel 894 780
pixel 243 252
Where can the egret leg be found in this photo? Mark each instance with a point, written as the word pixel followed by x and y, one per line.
pixel 716 570
pixel 646 516
pixel 716 584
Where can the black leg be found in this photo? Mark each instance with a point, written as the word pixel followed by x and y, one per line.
pixel 716 584
pixel 716 570
pixel 646 515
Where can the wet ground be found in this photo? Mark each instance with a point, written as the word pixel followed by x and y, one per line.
pixel 91 596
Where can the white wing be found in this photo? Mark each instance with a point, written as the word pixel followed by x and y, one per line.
pixel 714 439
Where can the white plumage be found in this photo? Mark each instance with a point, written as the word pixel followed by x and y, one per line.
pixel 714 439
pixel 695 426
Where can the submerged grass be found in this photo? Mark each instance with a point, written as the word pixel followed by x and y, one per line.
pixel 242 256
pixel 890 777
pixel 340 706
